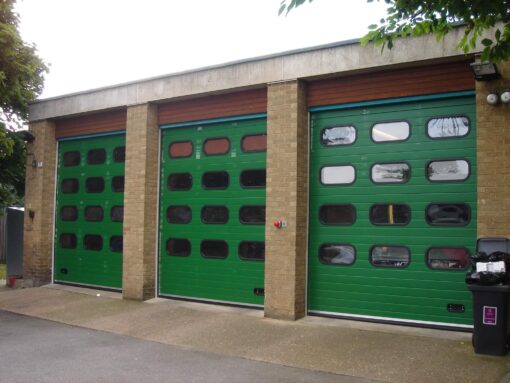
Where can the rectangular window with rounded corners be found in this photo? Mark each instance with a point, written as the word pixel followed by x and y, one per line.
pixel 252 214
pixel 69 213
pixel 399 172
pixel 179 181
pixel 117 213
pixel 390 256
pixel 116 243
pixel 448 127
pixel 93 242
pixel 252 250
pixel 180 149
pixel 448 170
pixel 214 249
pixel 215 180
pixel 344 214
pixel 70 185
pixel 337 254
pixel 178 214
pixel 447 258
pixel 96 156
pixel 390 214
pixel 214 214
pixel 118 184
pixel 94 185
pixel 72 158
pixel 391 131
pixel 68 241
pixel 338 175
pixel 338 135
pixel 216 146
pixel 448 214
pixel 178 247
pixel 254 143
pixel 93 213
pixel 253 178
pixel 119 154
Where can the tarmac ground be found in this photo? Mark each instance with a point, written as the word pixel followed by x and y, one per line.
pixel 368 351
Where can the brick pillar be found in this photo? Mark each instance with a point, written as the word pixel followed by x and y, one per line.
pixel 40 203
pixel 287 198
pixel 140 202
pixel 493 158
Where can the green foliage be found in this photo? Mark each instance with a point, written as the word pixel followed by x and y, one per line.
pixel 419 17
pixel 21 81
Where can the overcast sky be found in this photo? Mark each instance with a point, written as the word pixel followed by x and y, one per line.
pixel 96 43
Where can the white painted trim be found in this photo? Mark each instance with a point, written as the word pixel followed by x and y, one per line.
pixel 158 217
pixel 54 220
pixel 389 320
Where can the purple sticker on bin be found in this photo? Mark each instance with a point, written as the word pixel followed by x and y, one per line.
pixel 490 314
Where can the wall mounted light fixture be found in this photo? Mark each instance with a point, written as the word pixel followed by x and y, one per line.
pixel 485 71
pixel 492 98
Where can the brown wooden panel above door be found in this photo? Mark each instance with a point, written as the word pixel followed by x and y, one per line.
pixel 215 106
pixel 438 78
pixel 91 124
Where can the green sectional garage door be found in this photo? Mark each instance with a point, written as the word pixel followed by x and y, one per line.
pixel 90 211
pixel 393 210
pixel 212 212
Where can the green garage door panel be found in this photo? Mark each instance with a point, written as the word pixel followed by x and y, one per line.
pixel 192 275
pixel 79 258
pixel 416 292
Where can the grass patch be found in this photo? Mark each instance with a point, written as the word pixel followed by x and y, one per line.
pixel 3 268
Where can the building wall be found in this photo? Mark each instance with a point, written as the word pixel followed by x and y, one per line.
pixel 493 146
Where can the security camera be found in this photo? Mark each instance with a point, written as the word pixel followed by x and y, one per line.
pixel 505 97
pixel 25 135
pixel 492 98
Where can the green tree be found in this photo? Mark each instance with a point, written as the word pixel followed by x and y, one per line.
pixel 419 17
pixel 21 81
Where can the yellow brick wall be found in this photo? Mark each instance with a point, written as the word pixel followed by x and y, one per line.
pixel 140 202
pixel 39 199
pixel 287 188
pixel 493 158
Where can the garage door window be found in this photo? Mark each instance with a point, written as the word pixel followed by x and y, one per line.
pixel 214 214
pixel 338 135
pixel 93 242
pixel 70 185
pixel 448 214
pixel 178 214
pixel 180 149
pixel 180 181
pixel 447 127
pixel 337 254
pixel 94 185
pixel 214 249
pixel 215 180
pixel 255 178
pixel 390 214
pixel 69 213
pixel 254 143
pixel 399 172
pixel 178 247
pixel 68 241
pixel 447 258
pixel 391 131
pixel 94 213
pixel 118 184
pixel 337 214
pixel 72 158
pixel 117 213
pixel 389 256
pixel 450 170
pixel 96 156
pixel 252 215
pixel 338 175
pixel 116 243
pixel 216 146
pixel 119 154
pixel 252 250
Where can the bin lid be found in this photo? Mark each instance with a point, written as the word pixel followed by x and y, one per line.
pixel 492 289
pixel 490 245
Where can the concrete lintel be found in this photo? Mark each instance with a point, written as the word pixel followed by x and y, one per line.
pixel 302 64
